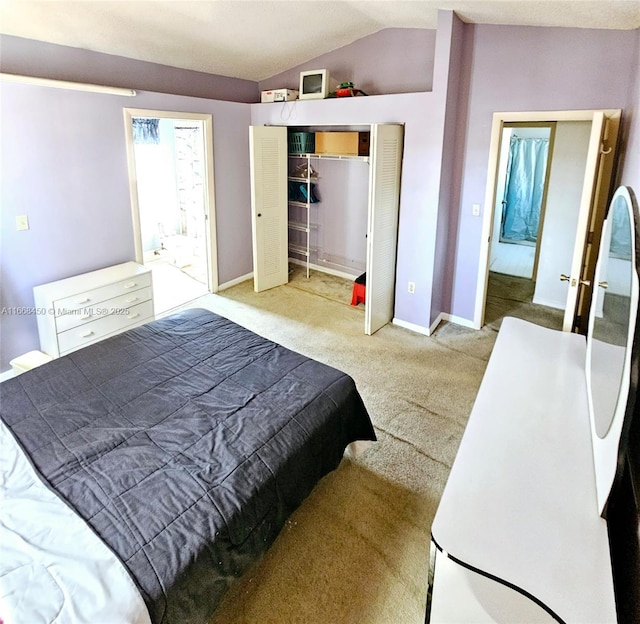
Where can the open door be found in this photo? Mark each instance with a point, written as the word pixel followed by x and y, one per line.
pixel 382 228
pixel 268 159
pixel 594 196
pixel 602 180
pixel 594 200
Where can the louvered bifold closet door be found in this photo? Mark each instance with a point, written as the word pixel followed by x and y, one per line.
pixel 268 161
pixel 382 233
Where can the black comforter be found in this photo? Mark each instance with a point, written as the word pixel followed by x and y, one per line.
pixel 185 444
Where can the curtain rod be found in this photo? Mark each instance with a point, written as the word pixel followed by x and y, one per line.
pixel 63 84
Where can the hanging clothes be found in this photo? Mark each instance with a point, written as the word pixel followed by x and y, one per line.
pixel 146 131
pixel 524 188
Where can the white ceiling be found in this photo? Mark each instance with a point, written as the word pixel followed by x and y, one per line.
pixel 256 39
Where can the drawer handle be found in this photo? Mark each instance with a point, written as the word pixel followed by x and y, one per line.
pixel 86 334
pixel 83 300
pixel 131 299
pixel 130 285
pixel 134 315
pixel 84 317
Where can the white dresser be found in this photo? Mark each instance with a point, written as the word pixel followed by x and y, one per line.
pixel 75 312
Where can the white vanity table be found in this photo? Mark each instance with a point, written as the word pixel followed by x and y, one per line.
pixel 519 535
pixel 520 503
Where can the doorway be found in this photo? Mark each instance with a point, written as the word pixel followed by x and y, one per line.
pixel 566 272
pixel 520 198
pixel 171 183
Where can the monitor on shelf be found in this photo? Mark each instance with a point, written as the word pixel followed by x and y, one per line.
pixel 314 84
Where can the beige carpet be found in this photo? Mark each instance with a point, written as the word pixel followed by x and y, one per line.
pixel 513 296
pixel 356 551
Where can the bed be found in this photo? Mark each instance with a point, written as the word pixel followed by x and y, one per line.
pixel 184 444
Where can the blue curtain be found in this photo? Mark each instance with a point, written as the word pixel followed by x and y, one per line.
pixel 620 246
pixel 523 189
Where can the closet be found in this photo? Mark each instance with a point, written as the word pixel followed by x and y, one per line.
pixel 359 192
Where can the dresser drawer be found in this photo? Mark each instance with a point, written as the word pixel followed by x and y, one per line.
pixel 92 312
pixel 93 331
pixel 75 304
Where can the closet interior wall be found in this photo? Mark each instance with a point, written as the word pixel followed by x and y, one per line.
pixel 338 221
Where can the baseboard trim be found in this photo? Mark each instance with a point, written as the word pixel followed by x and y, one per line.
pixel 428 331
pixel 459 320
pixel 439 319
pixel 418 329
pixel 235 282
pixel 314 267
pixel 323 269
pixel 8 374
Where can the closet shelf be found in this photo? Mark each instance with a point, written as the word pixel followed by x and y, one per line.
pixel 302 179
pixel 305 226
pixel 331 157
pixel 299 249
pixel 300 226
pixel 301 204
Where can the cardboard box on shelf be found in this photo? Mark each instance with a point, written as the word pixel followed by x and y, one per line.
pixel 278 95
pixel 343 143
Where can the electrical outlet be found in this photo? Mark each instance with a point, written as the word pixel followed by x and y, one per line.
pixel 412 288
pixel 475 210
pixel 22 223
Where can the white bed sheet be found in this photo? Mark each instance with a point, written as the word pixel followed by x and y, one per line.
pixel 53 567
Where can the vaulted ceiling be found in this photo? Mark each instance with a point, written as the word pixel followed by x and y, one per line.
pixel 256 39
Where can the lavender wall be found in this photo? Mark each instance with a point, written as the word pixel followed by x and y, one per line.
pixel 522 69
pixel 448 86
pixel 420 175
pixel 426 187
pixel 393 60
pixel 64 166
pixel 47 60
pixel 630 169
pixel 64 161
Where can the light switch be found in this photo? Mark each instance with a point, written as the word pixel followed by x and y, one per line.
pixel 22 223
pixel 475 210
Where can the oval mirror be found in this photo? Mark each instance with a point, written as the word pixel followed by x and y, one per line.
pixel 609 332
pixel 610 339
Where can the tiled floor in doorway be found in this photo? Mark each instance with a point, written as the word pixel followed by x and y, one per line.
pixel 172 287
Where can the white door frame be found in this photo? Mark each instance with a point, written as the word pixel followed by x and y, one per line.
pixel 209 189
pixel 499 119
